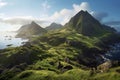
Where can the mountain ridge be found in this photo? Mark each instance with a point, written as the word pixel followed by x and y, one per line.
pixel 86 24
pixel 54 26
pixel 30 29
pixel 65 54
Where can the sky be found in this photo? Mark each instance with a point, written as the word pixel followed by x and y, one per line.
pixel 15 13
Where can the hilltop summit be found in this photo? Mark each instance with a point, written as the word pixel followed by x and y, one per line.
pixel 30 29
pixel 84 23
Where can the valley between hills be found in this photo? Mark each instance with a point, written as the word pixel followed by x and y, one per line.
pixel 75 51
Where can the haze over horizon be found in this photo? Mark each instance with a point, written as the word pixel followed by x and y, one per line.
pixel 15 13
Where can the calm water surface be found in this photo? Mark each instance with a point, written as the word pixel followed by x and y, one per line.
pixel 7 39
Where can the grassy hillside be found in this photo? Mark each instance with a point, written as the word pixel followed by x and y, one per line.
pixel 74 74
pixel 30 30
pixel 64 54
pixel 53 26
pixel 53 56
pixel 86 24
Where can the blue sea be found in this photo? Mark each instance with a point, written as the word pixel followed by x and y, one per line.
pixel 7 39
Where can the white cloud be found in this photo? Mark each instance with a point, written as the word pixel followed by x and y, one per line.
pixel 2 3
pixel 21 20
pixel 83 6
pixel 45 6
pixel 64 15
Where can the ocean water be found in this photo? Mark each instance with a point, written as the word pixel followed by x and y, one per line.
pixel 114 52
pixel 7 39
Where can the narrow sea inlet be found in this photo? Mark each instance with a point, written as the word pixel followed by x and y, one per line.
pixel 7 39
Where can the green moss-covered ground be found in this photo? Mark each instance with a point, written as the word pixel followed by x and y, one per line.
pixel 63 55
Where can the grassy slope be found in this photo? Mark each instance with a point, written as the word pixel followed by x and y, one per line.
pixel 44 53
pixel 74 74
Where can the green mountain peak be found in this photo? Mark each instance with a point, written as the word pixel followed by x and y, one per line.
pixel 54 26
pixel 84 23
pixel 30 29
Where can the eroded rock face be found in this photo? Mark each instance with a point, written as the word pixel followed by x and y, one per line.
pixel 104 67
